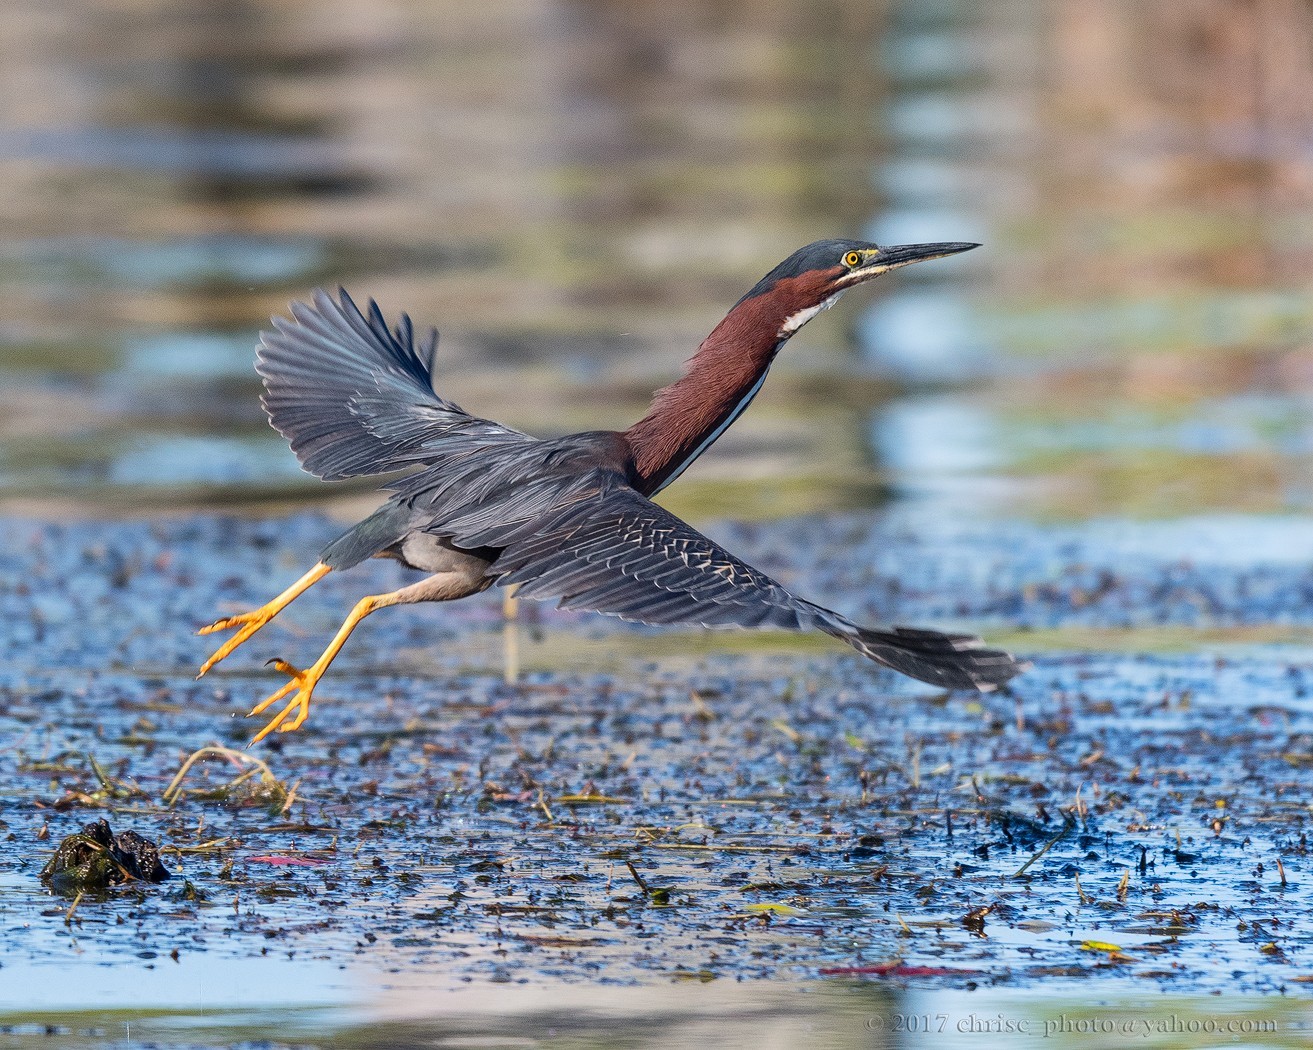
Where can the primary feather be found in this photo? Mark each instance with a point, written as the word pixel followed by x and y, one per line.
pixel 355 399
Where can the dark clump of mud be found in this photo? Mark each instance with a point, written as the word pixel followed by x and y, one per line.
pixel 96 859
pixel 769 812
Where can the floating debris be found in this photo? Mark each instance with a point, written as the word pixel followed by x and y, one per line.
pixel 95 859
pixel 254 785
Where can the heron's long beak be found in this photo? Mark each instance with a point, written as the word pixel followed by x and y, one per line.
pixel 883 260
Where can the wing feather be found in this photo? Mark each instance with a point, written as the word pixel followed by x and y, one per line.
pixel 604 547
pixel 623 554
pixel 354 398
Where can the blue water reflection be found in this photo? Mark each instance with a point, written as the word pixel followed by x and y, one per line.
pixel 164 150
pixel 173 356
pixel 85 262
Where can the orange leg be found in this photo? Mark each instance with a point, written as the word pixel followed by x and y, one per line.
pixel 252 621
pixel 304 682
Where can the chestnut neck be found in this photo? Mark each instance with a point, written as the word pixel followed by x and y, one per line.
pixel 719 381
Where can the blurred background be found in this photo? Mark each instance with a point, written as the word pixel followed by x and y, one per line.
pixel 574 191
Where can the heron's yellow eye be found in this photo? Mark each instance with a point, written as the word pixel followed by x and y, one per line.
pixel 852 259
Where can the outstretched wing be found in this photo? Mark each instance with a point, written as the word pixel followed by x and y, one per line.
pixel 604 547
pixel 613 551
pixel 355 398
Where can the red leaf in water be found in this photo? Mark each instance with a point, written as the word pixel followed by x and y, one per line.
pixel 279 860
pixel 896 969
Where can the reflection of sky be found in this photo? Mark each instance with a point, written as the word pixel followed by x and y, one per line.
pixel 910 57
pixel 201 999
pixel 1234 540
pixel 198 983
pixel 1226 426
pixel 913 181
pixel 168 263
pixel 188 355
pixel 952 434
pixel 1052 335
pixel 175 459
pixel 926 436
pixel 922 225
pixel 171 150
pixel 922 335
pixel 963 448
pixel 170 459
pixel 942 120
pixel 95 962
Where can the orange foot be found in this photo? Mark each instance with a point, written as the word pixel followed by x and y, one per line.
pixel 302 685
pixel 297 709
pixel 249 622
pixel 252 621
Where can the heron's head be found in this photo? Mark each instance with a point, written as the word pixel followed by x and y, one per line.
pixel 813 277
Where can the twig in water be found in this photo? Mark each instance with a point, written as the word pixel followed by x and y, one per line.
pixel 642 885
pixel 1079 803
pixel 291 797
pixel 257 766
pixel 1067 825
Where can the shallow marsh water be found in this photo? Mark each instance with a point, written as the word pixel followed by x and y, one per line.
pixel 1119 836
pixel 1087 440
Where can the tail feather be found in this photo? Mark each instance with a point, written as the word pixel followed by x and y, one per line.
pixel 951 661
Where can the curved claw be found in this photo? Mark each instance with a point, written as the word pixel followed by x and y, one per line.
pixel 303 682
pixel 225 622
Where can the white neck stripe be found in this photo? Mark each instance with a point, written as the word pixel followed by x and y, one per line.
pixel 795 321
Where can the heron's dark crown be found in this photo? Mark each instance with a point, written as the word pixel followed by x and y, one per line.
pixel 819 256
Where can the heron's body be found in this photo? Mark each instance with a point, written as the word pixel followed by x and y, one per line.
pixel 568 518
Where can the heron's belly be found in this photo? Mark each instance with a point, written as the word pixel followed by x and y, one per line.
pixel 419 550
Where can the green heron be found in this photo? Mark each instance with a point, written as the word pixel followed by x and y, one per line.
pixel 569 518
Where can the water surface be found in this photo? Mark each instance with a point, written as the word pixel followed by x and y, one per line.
pixel 1088 439
pixel 575 192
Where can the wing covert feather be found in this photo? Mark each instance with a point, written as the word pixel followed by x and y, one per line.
pixel 619 553
pixel 604 547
